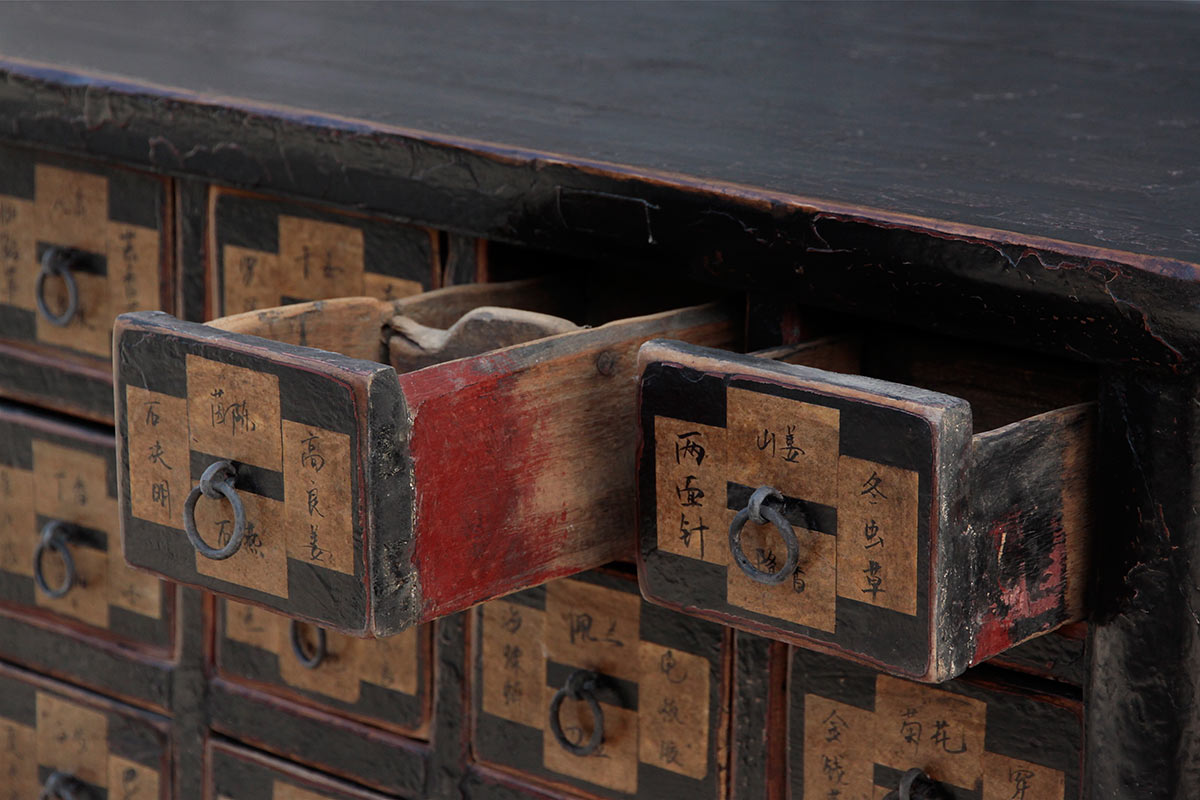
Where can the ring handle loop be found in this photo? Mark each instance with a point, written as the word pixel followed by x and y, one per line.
pixel 916 785
pixel 55 536
pixel 60 786
pixel 580 685
pixel 758 511
pixel 216 482
pixel 56 261
pixel 308 661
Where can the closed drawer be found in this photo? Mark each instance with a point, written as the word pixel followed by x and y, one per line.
pixel 80 243
pixel 265 252
pixel 237 773
pixel 51 735
pixel 381 495
pixel 556 655
pixel 894 531
pixel 854 733
pixel 384 682
pixel 60 559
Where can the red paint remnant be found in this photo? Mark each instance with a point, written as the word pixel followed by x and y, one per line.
pixel 495 509
pixel 993 637
pixel 1019 599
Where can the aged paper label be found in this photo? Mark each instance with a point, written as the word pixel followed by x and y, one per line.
pixel 320 259
pixel 690 477
pixel 877 534
pixel 261 562
pixel 673 710
pixel 159 458
pixel 234 413
pixel 789 445
pixel 317 496
pixel 593 627
pixel 514 666
pixel 72 739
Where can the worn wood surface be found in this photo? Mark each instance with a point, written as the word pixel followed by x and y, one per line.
pixel 360 327
pixel 923 550
pixel 239 773
pixel 856 731
pixel 534 444
pixel 110 749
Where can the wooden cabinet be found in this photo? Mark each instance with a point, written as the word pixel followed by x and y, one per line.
pixel 965 232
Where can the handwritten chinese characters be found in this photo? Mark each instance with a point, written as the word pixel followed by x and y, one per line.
pixel 673 710
pixel 939 731
pixel 692 516
pixel 877 534
pixel 514 662
pixel 787 444
pixel 233 413
pixel 158 458
pixel 316 260
pixel 316 468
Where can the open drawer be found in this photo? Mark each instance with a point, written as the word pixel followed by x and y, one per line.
pixel 490 451
pixel 862 517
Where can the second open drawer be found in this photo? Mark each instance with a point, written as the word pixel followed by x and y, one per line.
pixel 891 532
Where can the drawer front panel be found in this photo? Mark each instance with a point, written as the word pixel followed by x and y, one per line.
pixel 661 689
pixel 115 220
pixel 266 252
pixel 62 478
pixel 385 682
pixel 294 433
pixel 236 773
pixel 854 732
pixel 106 750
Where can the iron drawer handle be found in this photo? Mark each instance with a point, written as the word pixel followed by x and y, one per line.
pixel 581 685
pixel 916 785
pixel 60 786
pixel 758 511
pixel 216 482
pixel 57 261
pixel 318 654
pixel 54 537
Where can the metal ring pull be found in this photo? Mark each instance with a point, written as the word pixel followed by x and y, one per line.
pixel 60 786
pixel 581 685
pixel 758 511
pixel 216 482
pixel 308 661
pixel 916 785
pixel 54 537
pixel 56 262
